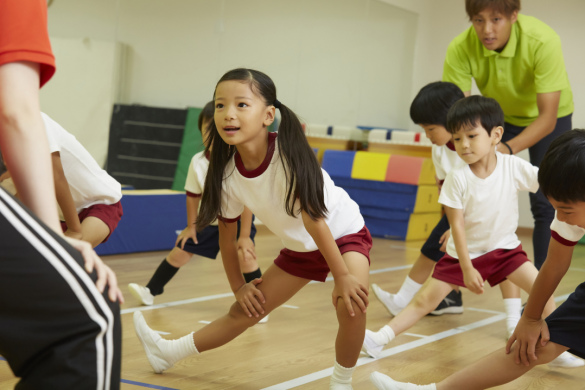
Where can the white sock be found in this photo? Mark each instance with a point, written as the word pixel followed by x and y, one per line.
pixel 513 307
pixel 341 377
pixel 407 292
pixel 384 335
pixel 175 350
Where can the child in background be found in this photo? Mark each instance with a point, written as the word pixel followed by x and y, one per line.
pixel 279 179
pixel 481 202
pixel 429 110
pixel 206 242
pixel 87 196
pixel 537 340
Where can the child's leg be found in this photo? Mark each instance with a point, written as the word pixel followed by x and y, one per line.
pixel 427 299
pixel 277 287
pixel 512 304
pixel 94 230
pixel 524 277
pixel 350 335
pixel 497 368
pixel 167 270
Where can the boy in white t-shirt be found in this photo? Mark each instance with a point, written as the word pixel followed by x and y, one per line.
pixel 88 197
pixel 537 340
pixel 481 203
pixel 429 110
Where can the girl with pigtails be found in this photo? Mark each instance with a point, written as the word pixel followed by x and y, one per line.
pixel 276 176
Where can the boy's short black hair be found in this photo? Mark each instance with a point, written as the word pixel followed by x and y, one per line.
pixel 432 103
pixel 466 113
pixel 206 114
pixel 562 172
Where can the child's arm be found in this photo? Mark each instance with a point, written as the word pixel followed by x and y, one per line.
pixel 471 277
pixel 248 296
pixel 532 326
pixel 191 230
pixel 245 243
pixel 64 198
pixel 347 287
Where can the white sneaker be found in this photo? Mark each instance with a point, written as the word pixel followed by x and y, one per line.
pixel 141 293
pixel 387 299
pixel 264 320
pixel 149 339
pixel 370 346
pixel 566 360
pixel 384 382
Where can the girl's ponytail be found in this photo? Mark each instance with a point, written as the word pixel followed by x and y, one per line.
pixel 303 173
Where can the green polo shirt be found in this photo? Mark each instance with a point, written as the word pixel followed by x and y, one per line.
pixel 531 63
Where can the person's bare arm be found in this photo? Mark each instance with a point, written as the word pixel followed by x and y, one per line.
pixel 543 125
pixel 64 198
pixel 23 140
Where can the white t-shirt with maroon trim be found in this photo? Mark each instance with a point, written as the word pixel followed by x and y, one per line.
pixel 445 158
pixel 88 182
pixel 490 205
pixel 263 191
pixel 564 233
pixel 196 176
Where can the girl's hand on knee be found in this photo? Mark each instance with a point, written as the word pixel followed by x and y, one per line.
pixel 525 336
pixel 347 288
pixel 251 299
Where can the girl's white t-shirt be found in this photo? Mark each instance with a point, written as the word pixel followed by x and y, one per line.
pixel 263 191
pixel 490 205
pixel 88 182
pixel 195 181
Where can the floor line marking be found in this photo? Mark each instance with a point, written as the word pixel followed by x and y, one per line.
pixel 389 352
pixel 289 306
pixel 422 336
pixel 147 385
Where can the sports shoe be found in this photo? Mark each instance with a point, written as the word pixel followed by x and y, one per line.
pixel 370 346
pixel 142 294
pixel 566 360
pixel 149 339
pixel 452 304
pixel 384 382
pixel 387 299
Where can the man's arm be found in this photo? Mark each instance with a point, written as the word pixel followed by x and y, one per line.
pixel 543 125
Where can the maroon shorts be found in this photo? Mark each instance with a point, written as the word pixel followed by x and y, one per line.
pixel 312 265
pixel 110 214
pixel 494 266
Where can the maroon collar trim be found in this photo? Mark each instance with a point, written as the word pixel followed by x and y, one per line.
pixel 450 145
pixel 207 155
pixel 264 166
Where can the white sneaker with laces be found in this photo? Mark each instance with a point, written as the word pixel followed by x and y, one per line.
pixel 370 346
pixel 142 294
pixel 387 299
pixel 149 339
pixel 566 360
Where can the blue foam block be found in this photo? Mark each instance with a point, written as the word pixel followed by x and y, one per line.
pixel 149 223
pixel 386 224
pixel 380 194
pixel 338 163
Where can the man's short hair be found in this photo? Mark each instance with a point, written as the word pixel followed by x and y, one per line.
pixel 562 172
pixel 505 7
pixel 468 113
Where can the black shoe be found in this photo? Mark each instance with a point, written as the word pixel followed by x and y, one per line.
pixel 452 304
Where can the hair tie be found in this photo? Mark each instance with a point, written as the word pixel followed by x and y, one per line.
pixel 276 104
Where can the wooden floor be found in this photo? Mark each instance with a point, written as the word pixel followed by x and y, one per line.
pixel 295 348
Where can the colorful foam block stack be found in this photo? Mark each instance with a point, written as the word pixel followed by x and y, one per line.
pixel 397 194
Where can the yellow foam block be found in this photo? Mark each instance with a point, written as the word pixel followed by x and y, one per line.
pixel 427 173
pixel 370 166
pixel 427 200
pixel 420 226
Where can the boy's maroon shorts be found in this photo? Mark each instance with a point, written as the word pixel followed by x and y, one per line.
pixel 494 266
pixel 312 265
